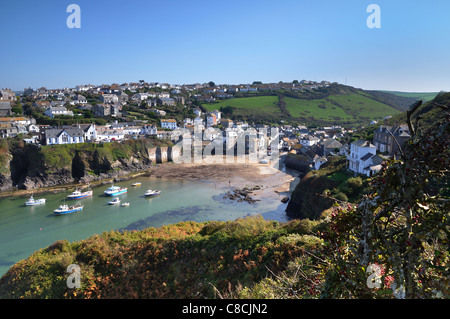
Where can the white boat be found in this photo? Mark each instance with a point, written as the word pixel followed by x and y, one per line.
pixel 125 204
pixel 114 201
pixel 77 194
pixel 31 201
pixel 65 209
pixel 150 193
pixel 115 190
pixel 136 184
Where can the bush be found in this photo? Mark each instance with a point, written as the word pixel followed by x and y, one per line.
pixel 354 185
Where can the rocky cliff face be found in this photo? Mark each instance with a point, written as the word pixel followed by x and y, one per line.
pixel 306 200
pixel 30 167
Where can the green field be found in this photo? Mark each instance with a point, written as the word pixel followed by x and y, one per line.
pixel 352 107
pixel 266 104
pixel 426 96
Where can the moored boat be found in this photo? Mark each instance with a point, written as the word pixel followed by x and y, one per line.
pixel 65 209
pixel 77 194
pixel 114 201
pixel 150 193
pixel 115 190
pixel 125 204
pixel 136 184
pixel 31 201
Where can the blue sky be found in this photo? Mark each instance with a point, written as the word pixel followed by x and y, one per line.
pixel 226 42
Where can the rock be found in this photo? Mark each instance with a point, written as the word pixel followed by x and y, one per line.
pixel 284 200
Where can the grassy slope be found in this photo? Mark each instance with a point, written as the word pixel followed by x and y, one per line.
pixel 265 104
pixel 426 96
pixel 354 106
pixel 184 260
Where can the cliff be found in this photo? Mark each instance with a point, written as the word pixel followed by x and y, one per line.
pixel 331 179
pixel 28 166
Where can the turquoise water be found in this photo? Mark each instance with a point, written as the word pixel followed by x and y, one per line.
pixel 25 229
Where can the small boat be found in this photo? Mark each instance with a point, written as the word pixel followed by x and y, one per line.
pixel 31 201
pixel 150 193
pixel 77 194
pixel 125 204
pixel 114 201
pixel 136 184
pixel 115 190
pixel 65 209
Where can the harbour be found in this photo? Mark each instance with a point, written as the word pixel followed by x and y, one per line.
pixel 26 229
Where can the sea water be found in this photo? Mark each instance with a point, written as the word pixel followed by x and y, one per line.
pixel 26 229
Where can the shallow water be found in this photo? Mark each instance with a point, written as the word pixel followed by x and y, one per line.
pixel 25 229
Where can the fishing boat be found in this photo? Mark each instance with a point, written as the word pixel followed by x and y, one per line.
pixel 136 184
pixel 77 194
pixel 125 204
pixel 115 190
pixel 65 209
pixel 150 193
pixel 31 201
pixel 114 201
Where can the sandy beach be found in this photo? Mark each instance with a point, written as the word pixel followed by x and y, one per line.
pixel 273 182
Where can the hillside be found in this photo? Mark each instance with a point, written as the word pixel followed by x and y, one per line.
pixel 334 105
pixel 425 96
pixel 315 192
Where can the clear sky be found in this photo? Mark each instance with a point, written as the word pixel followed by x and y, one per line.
pixel 234 41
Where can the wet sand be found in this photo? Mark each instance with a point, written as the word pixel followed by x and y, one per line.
pixel 273 182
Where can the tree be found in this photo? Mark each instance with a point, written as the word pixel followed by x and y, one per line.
pixel 211 84
pixel 401 226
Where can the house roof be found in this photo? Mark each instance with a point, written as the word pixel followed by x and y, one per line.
pixel 54 133
pixel 362 143
pixel 58 108
pixel 367 156
pixel 332 143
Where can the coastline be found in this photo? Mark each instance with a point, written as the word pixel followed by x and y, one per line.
pixel 238 174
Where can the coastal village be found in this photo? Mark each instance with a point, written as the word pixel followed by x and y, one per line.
pixel 112 104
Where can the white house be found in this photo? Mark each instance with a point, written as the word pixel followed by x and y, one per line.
pixel 149 130
pixel 133 130
pixel 140 96
pixel 169 123
pixel 363 159
pixel 103 134
pixel 89 131
pixel 64 136
pixel 57 110
pixel 318 161
pixel 308 140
